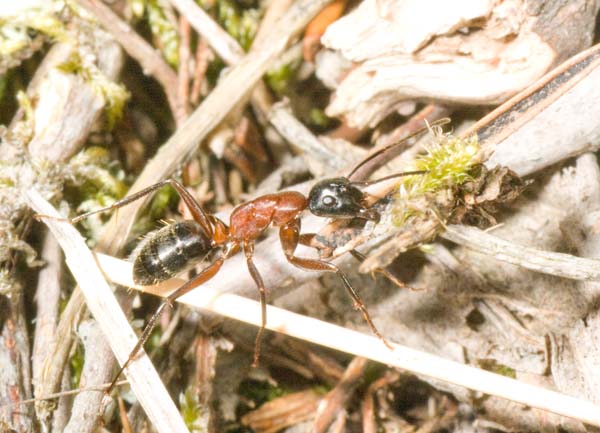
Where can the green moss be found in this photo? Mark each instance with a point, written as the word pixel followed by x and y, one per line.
pixel 279 78
pixel 23 131
pixel 92 165
pixel 49 25
pixel 447 163
pixel 164 31
pixel 26 106
pixel 12 41
pixel 240 24
pixel 77 360
pixel 260 392
pixel 495 367
pixel 319 118
pixel 191 410
pixel 16 32
pixel 115 95
pixel 95 181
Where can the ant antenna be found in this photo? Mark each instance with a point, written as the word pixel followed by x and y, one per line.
pixel 391 176
pixel 439 122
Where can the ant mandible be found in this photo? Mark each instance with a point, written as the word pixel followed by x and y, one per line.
pixel 166 252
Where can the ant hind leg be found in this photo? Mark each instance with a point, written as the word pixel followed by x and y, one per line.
pixel 196 210
pixel 205 275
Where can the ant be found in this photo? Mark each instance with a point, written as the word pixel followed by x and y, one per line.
pixel 166 252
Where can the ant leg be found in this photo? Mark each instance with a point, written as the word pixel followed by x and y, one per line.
pixel 306 239
pixel 199 279
pixel 249 252
pixel 289 234
pixel 383 271
pixel 195 209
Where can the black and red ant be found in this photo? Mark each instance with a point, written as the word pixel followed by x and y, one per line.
pixel 168 251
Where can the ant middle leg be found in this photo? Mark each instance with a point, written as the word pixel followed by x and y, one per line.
pixel 205 275
pixel 307 238
pixel 289 234
pixel 249 252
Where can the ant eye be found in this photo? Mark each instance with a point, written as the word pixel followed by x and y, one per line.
pixel 329 200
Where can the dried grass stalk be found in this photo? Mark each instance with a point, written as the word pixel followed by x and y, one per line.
pixel 142 376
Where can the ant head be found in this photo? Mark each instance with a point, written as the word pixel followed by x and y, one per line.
pixel 339 198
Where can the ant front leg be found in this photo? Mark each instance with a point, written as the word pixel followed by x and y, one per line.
pixel 383 271
pixel 249 252
pixel 195 209
pixel 307 238
pixel 205 275
pixel 289 234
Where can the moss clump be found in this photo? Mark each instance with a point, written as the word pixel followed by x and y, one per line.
pixel 164 32
pixel 241 24
pixel 17 32
pixel 24 128
pixel 94 181
pixel 191 410
pixel 447 164
pixel 114 95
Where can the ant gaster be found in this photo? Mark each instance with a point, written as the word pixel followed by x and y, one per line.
pixel 172 249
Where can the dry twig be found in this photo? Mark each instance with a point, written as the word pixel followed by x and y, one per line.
pixel 85 415
pixel 101 301
pixel 336 399
pixel 547 262
pixel 183 75
pixel 137 47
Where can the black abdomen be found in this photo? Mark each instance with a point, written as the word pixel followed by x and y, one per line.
pixel 168 251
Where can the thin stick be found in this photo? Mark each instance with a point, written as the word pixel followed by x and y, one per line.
pixel 148 58
pixel 335 401
pixel 203 55
pixel 54 395
pixel 221 41
pixel 367 346
pixel 547 262
pixel 101 301
pixel 47 302
pixel 183 75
